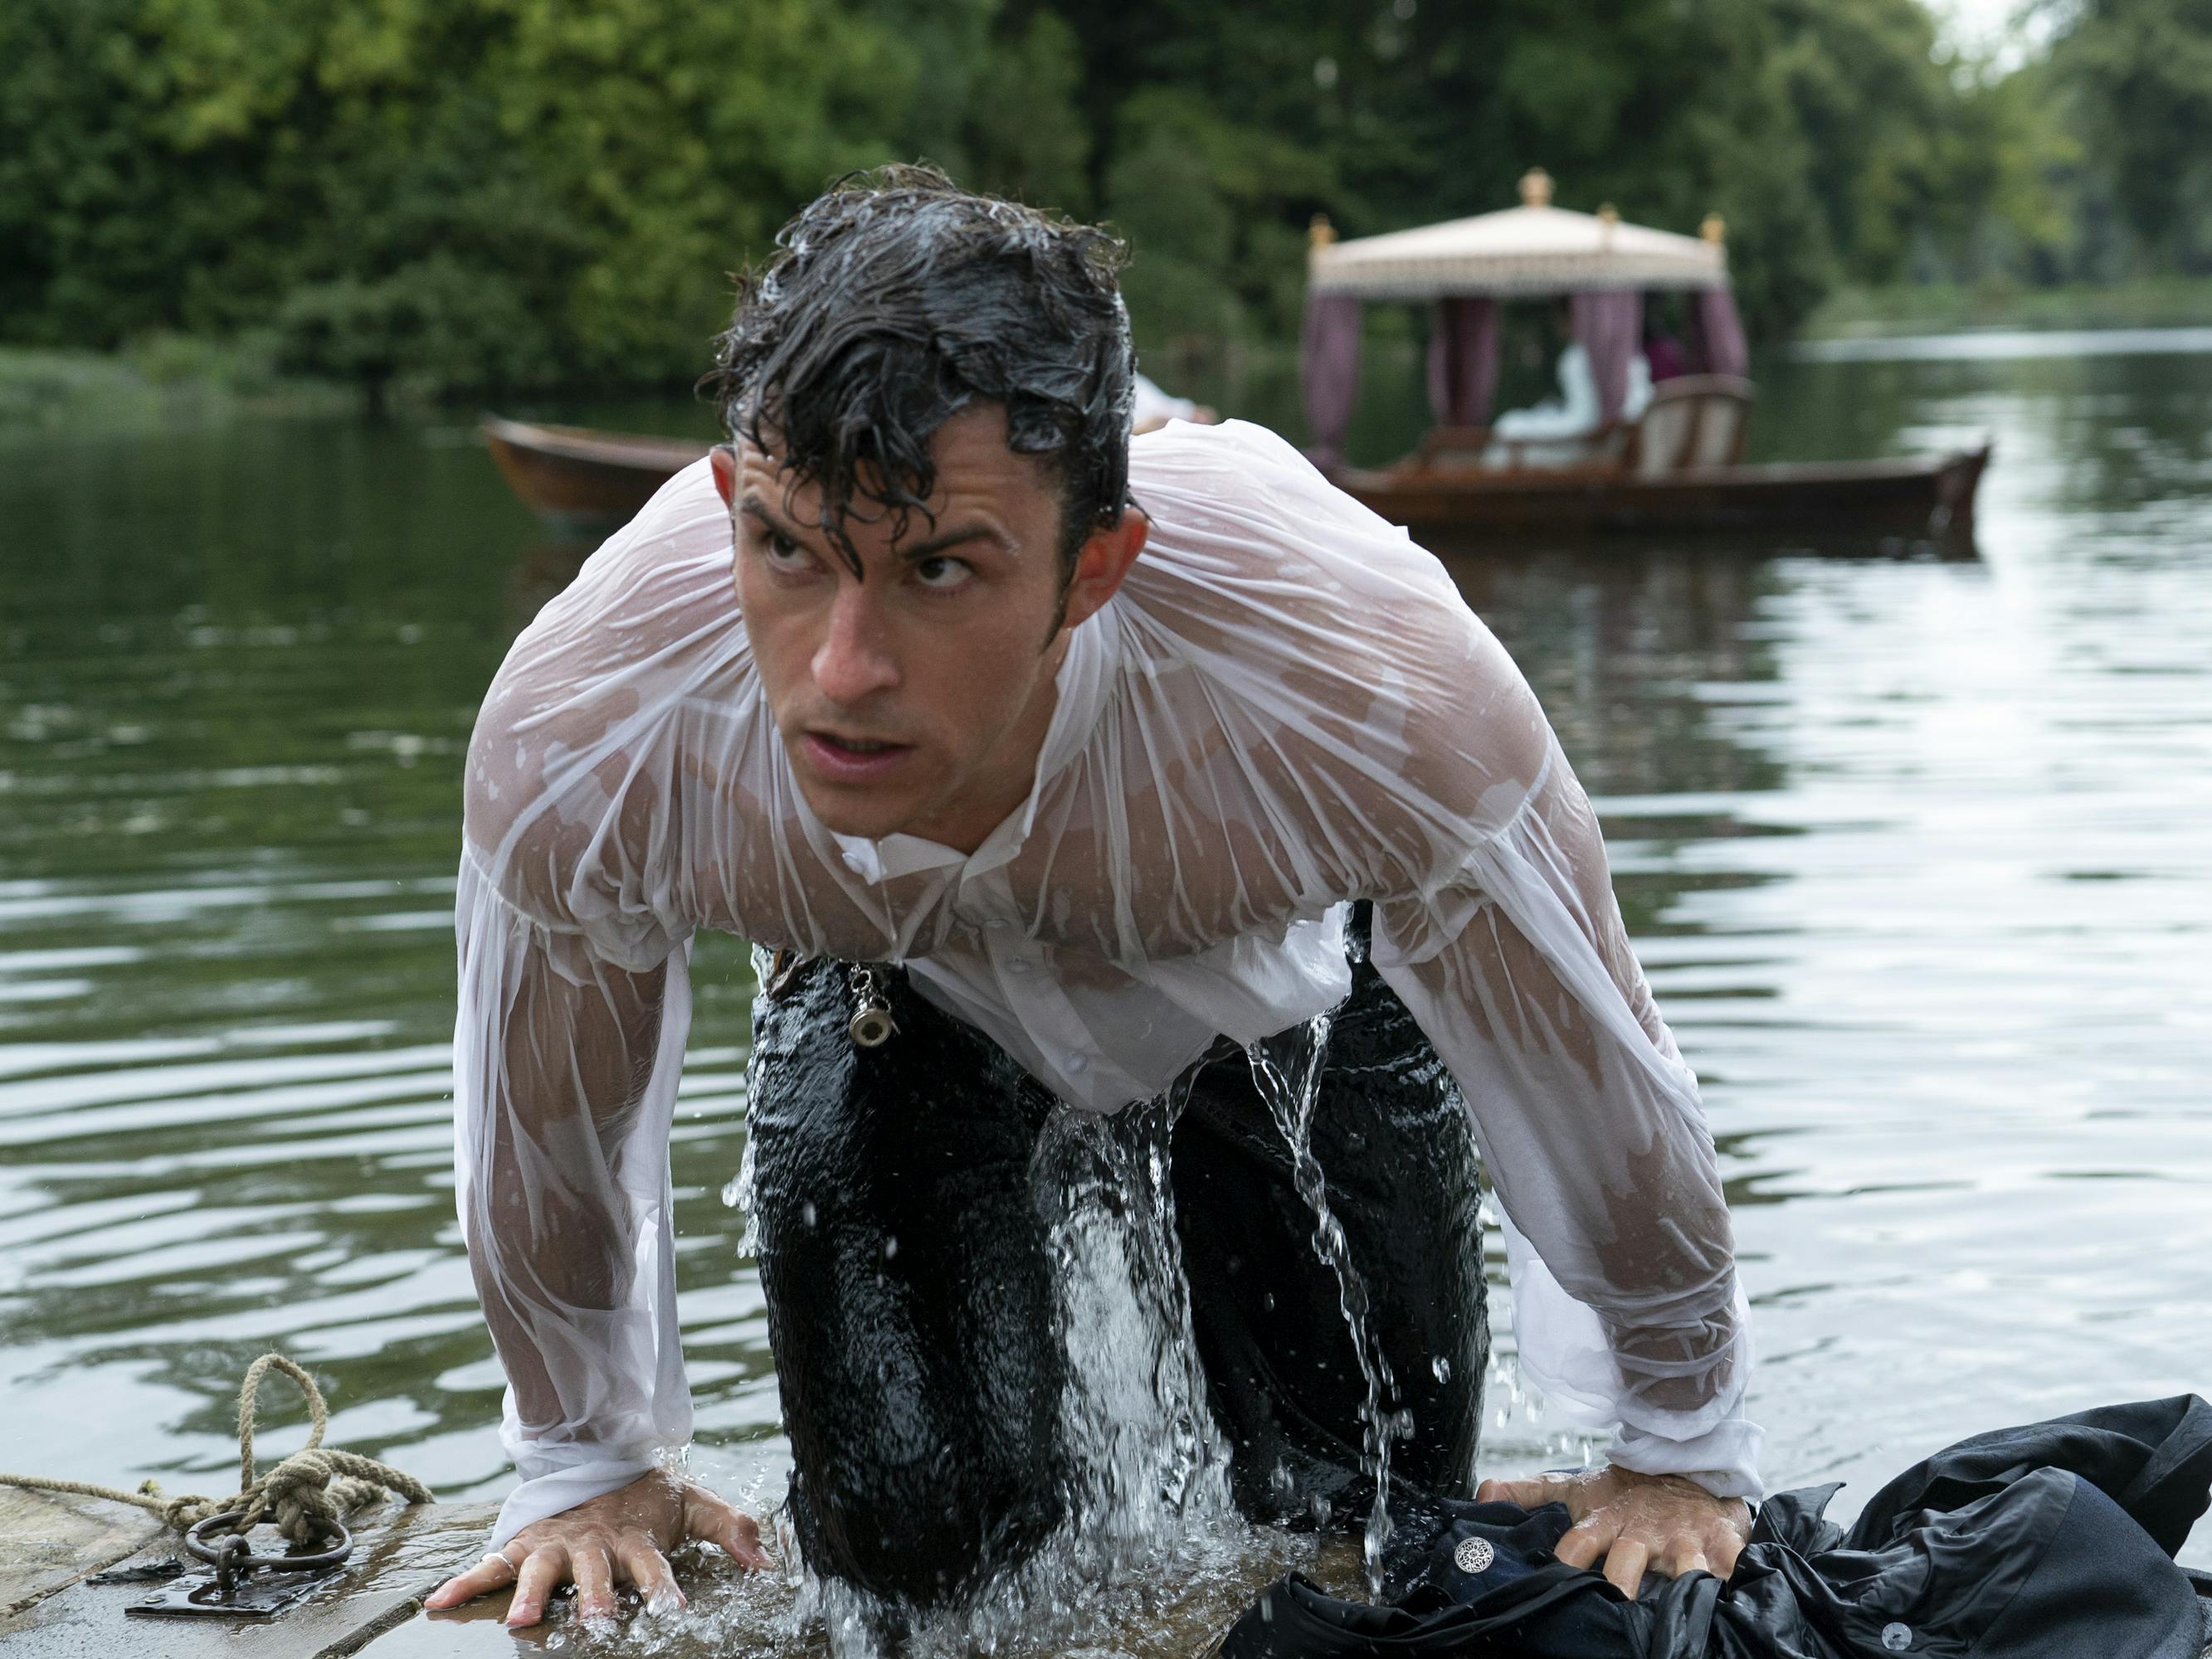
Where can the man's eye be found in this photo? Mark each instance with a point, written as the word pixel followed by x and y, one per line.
pixel 783 552
pixel 943 573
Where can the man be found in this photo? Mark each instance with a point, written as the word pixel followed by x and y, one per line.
pixel 1561 431
pixel 1079 766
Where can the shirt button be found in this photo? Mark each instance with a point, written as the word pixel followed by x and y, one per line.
pixel 998 924
pixel 1078 1065
pixel 1021 965
pixel 1897 1638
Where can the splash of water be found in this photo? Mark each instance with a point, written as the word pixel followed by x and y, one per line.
pixel 1287 1069
pixel 1151 1531
pixel 1149 1464
pixel 1153 1556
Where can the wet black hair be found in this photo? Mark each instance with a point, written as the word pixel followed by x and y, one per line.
pixel 895 299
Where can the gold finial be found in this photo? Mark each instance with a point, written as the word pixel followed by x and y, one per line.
pixel 1535 188
pixel 1608 213
pixel 1715 229
pixel 1320 233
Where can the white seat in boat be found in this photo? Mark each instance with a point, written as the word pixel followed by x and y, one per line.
pixel 1693 420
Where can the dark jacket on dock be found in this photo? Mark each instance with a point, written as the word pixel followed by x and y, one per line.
pixel 2052 1541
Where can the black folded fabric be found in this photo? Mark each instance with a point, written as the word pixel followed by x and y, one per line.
pixel 2054 1541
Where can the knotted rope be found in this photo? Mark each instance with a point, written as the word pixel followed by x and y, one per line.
pixel 305 1496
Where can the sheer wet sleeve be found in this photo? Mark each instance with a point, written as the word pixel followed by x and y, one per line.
pixel 1627 1308
pixel 566 1073
pixel 590 790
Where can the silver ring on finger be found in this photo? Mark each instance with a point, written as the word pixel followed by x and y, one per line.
pixel 500 1556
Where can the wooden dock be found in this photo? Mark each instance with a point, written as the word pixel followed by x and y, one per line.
pixel 51 1546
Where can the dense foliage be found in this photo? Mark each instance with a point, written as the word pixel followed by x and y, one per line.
pixel 475 194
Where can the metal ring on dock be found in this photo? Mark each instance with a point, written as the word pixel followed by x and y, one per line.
pixel 222 1555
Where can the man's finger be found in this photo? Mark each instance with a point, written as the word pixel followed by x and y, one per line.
pixel 1529 1494
pixel 647 1569
pixel 492 1573
pixel 1725 1550
pixel 734 1534
pixel 1624 1564
pixel 595 1582
pixel 544 1570
pixel 1587 1540
pixel 1686 1558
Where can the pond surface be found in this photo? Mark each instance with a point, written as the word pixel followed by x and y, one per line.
pixel 1917 852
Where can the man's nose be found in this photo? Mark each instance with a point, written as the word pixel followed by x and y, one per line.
pixel 854 660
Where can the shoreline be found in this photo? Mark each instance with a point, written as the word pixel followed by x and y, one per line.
pixel 1954 308
pixel 173 377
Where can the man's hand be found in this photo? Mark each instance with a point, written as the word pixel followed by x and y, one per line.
pixel 624 1538
pixel 1664 1522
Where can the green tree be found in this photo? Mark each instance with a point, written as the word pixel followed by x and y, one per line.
pixel 2143 70
pixel 475 194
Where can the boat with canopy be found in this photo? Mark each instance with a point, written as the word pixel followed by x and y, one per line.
pixel 1675 464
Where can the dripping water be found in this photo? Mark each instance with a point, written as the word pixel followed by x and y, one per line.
pixel 1287 1069
pixel 1149 1464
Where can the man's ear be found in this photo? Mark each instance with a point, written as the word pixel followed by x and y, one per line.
pixel 723 458
pixel 1104 559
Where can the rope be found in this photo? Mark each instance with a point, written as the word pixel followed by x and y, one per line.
pixel 305 1496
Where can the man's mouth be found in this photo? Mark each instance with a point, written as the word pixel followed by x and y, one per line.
pixel 844 759
pixel 850 745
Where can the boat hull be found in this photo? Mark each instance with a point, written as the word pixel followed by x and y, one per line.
pixel 580 481
pixel 1928 497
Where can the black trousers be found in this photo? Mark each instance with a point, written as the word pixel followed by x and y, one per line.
pixel 913 1316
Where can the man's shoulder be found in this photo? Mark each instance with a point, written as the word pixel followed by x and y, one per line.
pixel 1287 644
pixel 1252 549
pixel 588 732
pixel 1244 523
pixel 676 551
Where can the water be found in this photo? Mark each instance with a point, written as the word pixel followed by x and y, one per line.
pixel 1287 1069
pixel 1915 853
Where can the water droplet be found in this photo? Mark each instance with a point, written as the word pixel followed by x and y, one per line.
pixel 1442 1367
pixel 806 1213
pixel 731 1193
pixel 890 1248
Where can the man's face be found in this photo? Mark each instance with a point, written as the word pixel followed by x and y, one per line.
pixel 914 695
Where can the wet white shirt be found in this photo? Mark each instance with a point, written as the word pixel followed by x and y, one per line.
pixel 1288 705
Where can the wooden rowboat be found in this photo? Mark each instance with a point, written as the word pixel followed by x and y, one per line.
pixel 1919 497
pixel 579 480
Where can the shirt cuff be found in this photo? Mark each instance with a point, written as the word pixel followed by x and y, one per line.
pixel 1723 1460
pixel 564 1487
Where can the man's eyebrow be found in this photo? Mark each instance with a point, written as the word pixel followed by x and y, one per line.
pixel 951 538
pixel 753 505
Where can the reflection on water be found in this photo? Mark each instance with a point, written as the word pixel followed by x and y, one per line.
pixel 2007 345
pixel 1914 851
